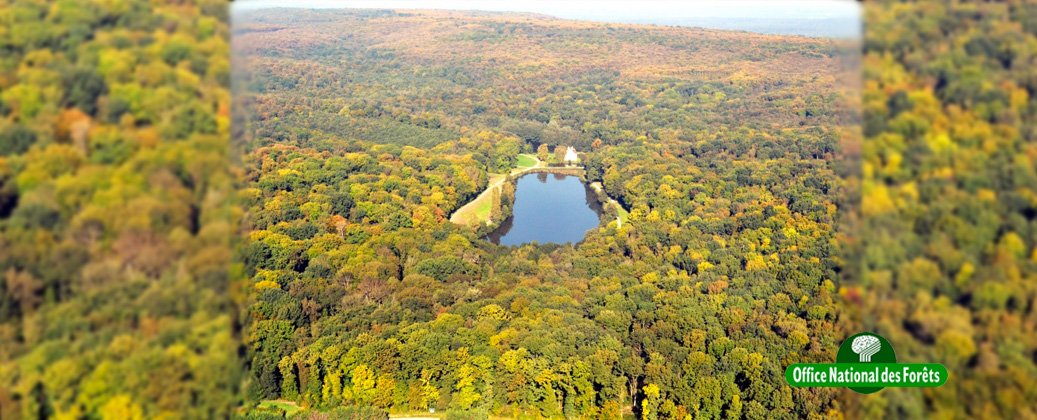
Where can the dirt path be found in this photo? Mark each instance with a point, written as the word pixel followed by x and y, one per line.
pixel 599 188
pixel 289 407
pixel 496 180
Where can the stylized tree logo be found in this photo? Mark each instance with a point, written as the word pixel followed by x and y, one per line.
pixel 866 363
pixel 866 346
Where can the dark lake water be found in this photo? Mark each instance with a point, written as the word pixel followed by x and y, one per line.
pixel 549 208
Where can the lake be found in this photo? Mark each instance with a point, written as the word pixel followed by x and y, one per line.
pixel 549 208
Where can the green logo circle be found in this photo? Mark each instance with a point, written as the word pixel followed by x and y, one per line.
pixel 864 348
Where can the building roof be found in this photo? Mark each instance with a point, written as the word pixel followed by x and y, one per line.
pixel 570 155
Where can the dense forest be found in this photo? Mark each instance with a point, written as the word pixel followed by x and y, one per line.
pixel 362 131
pixel 114 211
pixel 356 134
pixel 950 204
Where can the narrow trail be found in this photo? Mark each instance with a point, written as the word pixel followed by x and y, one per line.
pixel 461 213
pixel 599 188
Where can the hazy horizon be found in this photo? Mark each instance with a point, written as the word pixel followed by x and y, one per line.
pixel 829 18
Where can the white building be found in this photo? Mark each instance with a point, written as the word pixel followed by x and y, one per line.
pixel 570 155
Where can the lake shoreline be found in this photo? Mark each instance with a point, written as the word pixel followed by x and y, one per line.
pixel 477 213
pixel 463 212
pixel 597 199
pixel 462 215
pixel 547 206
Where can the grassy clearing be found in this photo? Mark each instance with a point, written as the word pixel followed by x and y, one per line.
pixel 478 208
pixel 415 415
pixel 482 211
pixel 493 178
pixel 289 407
pixel 526 161
pixel 622 214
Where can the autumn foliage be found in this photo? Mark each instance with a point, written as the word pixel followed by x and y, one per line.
pixel 367 126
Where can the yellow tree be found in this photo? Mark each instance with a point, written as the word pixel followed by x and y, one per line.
pixel 363 385
pixel 560 153
pixel 384 389
pixel 429 392
pixel 496 212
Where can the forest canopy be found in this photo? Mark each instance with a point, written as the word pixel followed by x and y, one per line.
pixel 365 129
pixel 950 204
pixel 139 272
pixel 115 196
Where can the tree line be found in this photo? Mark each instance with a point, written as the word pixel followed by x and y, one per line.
pixel 362 293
